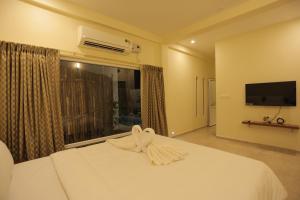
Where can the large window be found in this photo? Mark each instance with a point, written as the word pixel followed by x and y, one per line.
pixel 98 101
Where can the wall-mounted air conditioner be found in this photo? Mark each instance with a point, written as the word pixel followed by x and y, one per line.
pixel 103 41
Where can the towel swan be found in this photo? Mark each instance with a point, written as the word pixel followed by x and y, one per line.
pixel 142 141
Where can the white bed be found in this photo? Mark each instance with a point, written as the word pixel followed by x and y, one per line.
pixel 104 172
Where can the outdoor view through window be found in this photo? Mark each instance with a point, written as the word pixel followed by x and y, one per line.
pixel 98 100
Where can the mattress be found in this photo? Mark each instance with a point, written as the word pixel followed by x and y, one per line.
pixel 104 172
pixel 36 180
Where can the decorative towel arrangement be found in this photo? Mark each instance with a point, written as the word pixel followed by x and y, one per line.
pixel 142 141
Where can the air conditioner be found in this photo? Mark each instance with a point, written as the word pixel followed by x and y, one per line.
pixel 103 41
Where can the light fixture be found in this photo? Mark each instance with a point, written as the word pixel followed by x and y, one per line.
pixel 192 41
pixel 77 65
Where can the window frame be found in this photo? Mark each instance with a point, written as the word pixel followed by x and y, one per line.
pixel 102 64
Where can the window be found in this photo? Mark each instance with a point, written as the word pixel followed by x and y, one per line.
pixel 98 100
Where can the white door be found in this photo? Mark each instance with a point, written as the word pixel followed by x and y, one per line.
pixel 211 102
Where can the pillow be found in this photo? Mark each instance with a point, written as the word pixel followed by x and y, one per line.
pixel 6 170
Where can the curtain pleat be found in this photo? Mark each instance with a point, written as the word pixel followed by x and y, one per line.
pixel 153 99
pixel 30 120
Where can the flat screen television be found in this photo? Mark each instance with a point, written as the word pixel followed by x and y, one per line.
pixel 271 94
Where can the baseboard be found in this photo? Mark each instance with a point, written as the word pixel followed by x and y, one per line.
pixel 263 146
pixel 186 132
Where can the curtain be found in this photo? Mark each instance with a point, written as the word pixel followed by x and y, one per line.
pixel 30 119
pixel 87 104
pixel 153 99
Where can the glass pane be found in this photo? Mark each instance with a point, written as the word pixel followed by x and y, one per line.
pixel 98 101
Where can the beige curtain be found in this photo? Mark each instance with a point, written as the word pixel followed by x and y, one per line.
pixel 153 99
pixel 30 113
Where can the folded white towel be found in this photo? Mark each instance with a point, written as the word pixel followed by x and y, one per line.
pixel 138 141
pixel 142 141
pixel 137 134
pixel 163 154
pixel 146 139
pixel 126 143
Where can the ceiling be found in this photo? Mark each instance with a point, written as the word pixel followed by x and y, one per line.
pixel 205 41
pixel 158 16
pixel 167 17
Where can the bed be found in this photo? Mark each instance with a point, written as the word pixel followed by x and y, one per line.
pixel 102 171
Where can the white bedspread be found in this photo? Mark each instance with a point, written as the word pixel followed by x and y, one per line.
pixel 104 172
pixel 36 180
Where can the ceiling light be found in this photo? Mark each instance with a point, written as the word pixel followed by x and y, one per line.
pixel 192 41
pixel 77 65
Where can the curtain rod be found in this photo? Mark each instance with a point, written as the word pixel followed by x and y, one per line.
pixel 97 59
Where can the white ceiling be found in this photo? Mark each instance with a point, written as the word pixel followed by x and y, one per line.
pixel 158 16
pixel 165 17
pixel 205 41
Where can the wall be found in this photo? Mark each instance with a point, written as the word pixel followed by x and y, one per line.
pixel 24 23
pixel 181 66
pixel 266 55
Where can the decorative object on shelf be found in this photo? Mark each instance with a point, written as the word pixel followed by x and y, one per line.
pixel 267 119
pixel 270 120
pixel 280 120
pixel 276 125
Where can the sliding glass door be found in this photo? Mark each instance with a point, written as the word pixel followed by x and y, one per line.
pixel 98 101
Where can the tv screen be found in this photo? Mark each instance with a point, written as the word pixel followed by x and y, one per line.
pixel 271 94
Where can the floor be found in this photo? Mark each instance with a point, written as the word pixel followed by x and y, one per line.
pixel 285 164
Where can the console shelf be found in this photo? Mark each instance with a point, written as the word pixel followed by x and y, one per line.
pixel 257 123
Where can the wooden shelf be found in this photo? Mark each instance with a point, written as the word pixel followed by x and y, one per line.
pixel 257 123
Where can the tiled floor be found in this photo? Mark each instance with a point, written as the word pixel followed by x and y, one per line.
pixel 285 164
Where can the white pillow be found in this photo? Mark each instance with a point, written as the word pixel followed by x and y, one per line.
pixel 6 170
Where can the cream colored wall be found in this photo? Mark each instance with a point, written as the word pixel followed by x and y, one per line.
pixel 270 54
pixel 181 67
pixel 24 23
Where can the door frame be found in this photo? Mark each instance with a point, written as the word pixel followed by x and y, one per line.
pixel 209 100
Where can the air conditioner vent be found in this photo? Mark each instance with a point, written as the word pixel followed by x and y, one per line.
pixel 103 46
